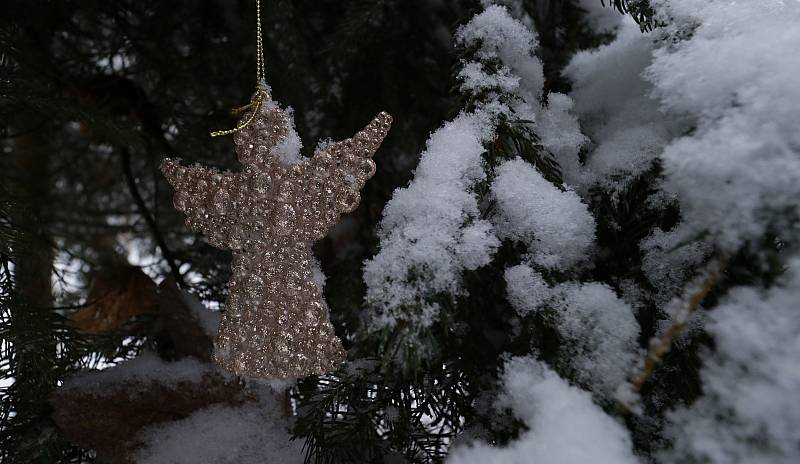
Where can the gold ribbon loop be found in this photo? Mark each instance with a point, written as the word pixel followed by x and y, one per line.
pixel 255 103
pixel 261 82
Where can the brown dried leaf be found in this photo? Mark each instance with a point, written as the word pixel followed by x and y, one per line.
pixel 115 296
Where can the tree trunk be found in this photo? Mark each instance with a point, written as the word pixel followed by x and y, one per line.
pixel 32 270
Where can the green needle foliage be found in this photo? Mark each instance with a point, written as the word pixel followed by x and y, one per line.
pixel 639 10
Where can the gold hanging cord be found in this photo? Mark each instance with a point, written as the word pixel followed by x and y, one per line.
pixel 261 82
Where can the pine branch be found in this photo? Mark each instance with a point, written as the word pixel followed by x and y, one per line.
pixel 364 414
pixel 640 10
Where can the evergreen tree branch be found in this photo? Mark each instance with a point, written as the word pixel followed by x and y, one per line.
pixel 640 10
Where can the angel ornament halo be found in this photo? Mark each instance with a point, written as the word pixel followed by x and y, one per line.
pixel 269 214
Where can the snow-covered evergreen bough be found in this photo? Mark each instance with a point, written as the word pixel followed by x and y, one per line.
pixel 675 157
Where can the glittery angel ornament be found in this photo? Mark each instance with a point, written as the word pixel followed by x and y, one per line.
pixel 269 214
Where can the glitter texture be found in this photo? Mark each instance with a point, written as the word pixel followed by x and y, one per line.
pixel 269 214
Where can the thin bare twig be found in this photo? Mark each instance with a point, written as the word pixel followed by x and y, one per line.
pixel 151 222
pixel 694 294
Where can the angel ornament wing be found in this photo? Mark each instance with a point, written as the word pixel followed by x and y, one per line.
pixel 276 324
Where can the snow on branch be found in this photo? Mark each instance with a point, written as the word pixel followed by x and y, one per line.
pixel 432 230
pixel 565 426
pixel 555 224
pixel 598 331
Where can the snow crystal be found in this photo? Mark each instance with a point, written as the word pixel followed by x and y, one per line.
pixel 556 225
pixel 599 334
pixel 525 288
pixel 253 433
pixel 749 410
pixel 565 426
pixel 734 69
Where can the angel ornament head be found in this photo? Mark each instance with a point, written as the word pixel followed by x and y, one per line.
pixel 269 214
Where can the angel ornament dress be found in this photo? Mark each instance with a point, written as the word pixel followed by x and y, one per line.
pixel 269 214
